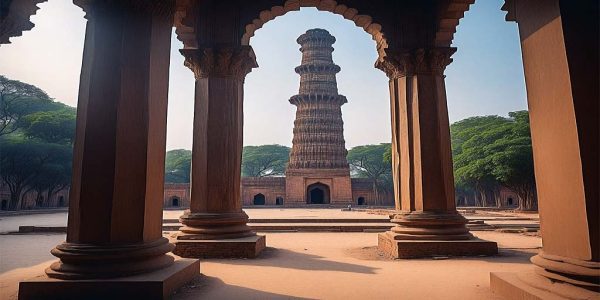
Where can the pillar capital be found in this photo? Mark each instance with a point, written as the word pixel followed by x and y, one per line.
pixel 404 62
pixel 233 62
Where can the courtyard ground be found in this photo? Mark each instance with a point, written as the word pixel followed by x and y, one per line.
pixel 300 265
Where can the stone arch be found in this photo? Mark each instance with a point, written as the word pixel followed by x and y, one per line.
pixel 279 200
pixel 17 18
pixel 318 193
pixel 448 19
pixel 364 21
pixel 259 199
pixel 361 201
pixel 175 201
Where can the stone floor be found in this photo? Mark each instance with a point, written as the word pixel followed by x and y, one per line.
pixel 303 265
pixel 310 266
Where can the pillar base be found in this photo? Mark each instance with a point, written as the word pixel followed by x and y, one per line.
pixel 531 286
pixel 428 248
pixel 245 247
pixel 159 284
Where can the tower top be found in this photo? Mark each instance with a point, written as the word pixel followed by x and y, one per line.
pixel 316 34
pixel 317 69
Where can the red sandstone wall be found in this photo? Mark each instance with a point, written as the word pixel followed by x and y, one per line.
pixel 179 190
pixel 29 199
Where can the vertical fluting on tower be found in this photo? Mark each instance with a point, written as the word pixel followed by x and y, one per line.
pixel 318 141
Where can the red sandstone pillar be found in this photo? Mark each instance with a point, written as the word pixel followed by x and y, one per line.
pixel 215 225
pixel 559 41
pixel 115 212
pixel 422 163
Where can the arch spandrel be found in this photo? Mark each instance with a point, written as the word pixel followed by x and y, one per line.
pixel 365 14
pixel 15 18
pixel 449 14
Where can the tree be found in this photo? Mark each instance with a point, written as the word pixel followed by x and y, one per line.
pixel 51 126
pixel 18 99
pixel 472 169
pixel 18 169
pixel 264 160
pixel 54 172
pixel 371 161
pixel 512 160
pixel 178 165
pixel 490 152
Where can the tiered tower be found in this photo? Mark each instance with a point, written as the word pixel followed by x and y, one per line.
pixel 318 170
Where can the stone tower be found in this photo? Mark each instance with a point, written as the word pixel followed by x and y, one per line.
pixel 318 171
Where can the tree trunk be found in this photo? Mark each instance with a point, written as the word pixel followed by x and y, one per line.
pixel 14 200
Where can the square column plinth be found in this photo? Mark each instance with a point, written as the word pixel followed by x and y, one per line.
pixel 428 248
pixel 245 247
pixel 155 285
pixel 531 286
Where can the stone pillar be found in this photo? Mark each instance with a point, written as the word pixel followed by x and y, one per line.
pixel 115 212
pixel 559 42
pixel 428 223
pixel 215 225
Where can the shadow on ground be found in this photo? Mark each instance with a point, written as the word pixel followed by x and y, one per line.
pixel 505 255
pixel 284 258
pixel 207 287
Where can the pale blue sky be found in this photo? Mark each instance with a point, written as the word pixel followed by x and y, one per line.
pixel 485 78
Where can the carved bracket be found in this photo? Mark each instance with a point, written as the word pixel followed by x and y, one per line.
pixel 235 62
pixel 403 63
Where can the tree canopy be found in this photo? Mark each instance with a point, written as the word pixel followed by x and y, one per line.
pixel 177 166
pixel 18 99
pixel 264 160
pixel 36 136
pixel 257 161
pixel 373 162
pixel 490 152
pixel 56 126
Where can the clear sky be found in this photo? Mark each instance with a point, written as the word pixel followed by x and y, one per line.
pixel 485 78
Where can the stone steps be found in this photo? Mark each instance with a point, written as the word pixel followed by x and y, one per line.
pixel 312 225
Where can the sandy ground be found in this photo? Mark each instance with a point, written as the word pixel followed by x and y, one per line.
pixel 310 266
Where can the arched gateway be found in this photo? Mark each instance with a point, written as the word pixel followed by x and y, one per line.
pixel 259 199
pixel 318 193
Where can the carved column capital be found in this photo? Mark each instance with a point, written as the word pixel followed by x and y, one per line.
pixel 401 63
pixel 234 62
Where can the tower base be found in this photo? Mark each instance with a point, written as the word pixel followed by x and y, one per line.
pixel 245 247
pixel 428 248
pixel 154 285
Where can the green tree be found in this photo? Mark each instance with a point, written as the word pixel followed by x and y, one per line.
pixel 371 161
pixel 56 126
pixel 31 165
pixel 18 99
pixel 264 160
pixel 490 152
pixel 54 171
pixel 511 158
pixel 472 169
pixel 178 165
